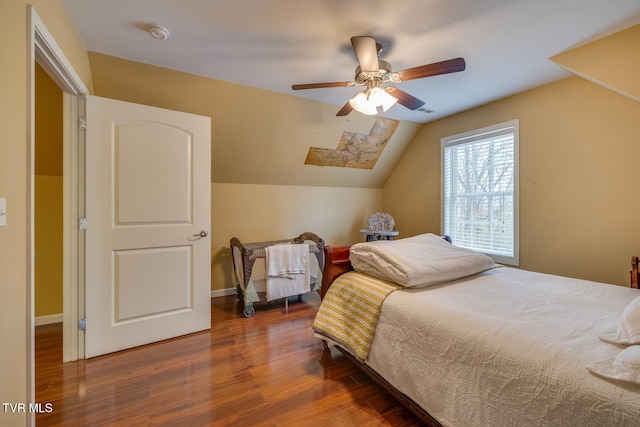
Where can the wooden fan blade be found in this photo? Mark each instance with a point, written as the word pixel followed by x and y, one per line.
pixel 444 67
pixel 321 85
pixel 409 101
pixel 366 52
pixel 346 109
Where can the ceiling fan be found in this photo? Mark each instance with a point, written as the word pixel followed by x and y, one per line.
pixel 375 74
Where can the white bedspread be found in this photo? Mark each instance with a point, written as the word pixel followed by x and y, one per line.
pixel 507 347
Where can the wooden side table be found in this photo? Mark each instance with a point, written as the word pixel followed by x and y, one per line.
pixel 373 235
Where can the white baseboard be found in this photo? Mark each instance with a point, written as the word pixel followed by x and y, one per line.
pixel 49 319
pixel 57 318
pixel 223 292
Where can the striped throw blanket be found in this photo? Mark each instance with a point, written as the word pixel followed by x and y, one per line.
pixel 349 311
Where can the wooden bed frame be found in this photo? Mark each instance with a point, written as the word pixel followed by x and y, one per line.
pixel 635 273
pixel 336 263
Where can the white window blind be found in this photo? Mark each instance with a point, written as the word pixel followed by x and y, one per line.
pixel 480 191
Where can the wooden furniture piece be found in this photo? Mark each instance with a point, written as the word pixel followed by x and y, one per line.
pixel 373 235
pixel 381 226
pixel 635 274
pixel 336 262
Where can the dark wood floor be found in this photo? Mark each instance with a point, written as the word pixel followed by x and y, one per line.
pixel 268 370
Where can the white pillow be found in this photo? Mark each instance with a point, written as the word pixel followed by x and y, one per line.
pixel 421 260
pixel 629 326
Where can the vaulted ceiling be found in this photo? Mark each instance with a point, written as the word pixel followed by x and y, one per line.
pixel 272 44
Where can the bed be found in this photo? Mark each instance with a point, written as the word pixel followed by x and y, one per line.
pixel 498 346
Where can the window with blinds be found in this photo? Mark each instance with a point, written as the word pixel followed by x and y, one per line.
pixel 480 191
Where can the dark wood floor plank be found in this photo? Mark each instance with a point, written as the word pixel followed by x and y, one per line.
pixel 267 370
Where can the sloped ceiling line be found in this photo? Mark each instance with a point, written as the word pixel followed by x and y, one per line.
pixel 612 62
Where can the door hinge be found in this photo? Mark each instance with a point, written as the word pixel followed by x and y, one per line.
pixel 82 324
pixel 82 223
pixel 82 123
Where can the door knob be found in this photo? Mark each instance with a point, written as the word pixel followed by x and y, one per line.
pixel 203 233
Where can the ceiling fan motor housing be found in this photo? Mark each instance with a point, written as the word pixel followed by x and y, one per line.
pixel 382 73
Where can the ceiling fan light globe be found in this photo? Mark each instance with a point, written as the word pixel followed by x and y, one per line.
pixel 380 98
pixel 362 104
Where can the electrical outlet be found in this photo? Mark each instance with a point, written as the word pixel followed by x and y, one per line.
pixel 3 211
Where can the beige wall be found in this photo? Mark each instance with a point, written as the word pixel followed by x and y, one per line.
pixel 14 325
pixel 48 124
pixel 13 172
pixel 255 212
pixel 257 136
pixel 48 196
pixel 578 176
pixel 48 241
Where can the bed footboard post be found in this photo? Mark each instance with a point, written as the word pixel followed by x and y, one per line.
pixel 326 273
pixel 336 262
pixel 634 272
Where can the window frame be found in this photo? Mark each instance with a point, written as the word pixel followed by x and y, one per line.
pixel 474 136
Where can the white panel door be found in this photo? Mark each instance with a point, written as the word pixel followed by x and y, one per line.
pixel 147 262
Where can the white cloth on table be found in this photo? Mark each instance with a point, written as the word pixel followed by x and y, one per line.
pixel 287 268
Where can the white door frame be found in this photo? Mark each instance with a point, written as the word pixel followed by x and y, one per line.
pixel 43 48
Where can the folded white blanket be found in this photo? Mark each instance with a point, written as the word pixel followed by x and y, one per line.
pixel 421 260
pixel 287 270
pixel 287 260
